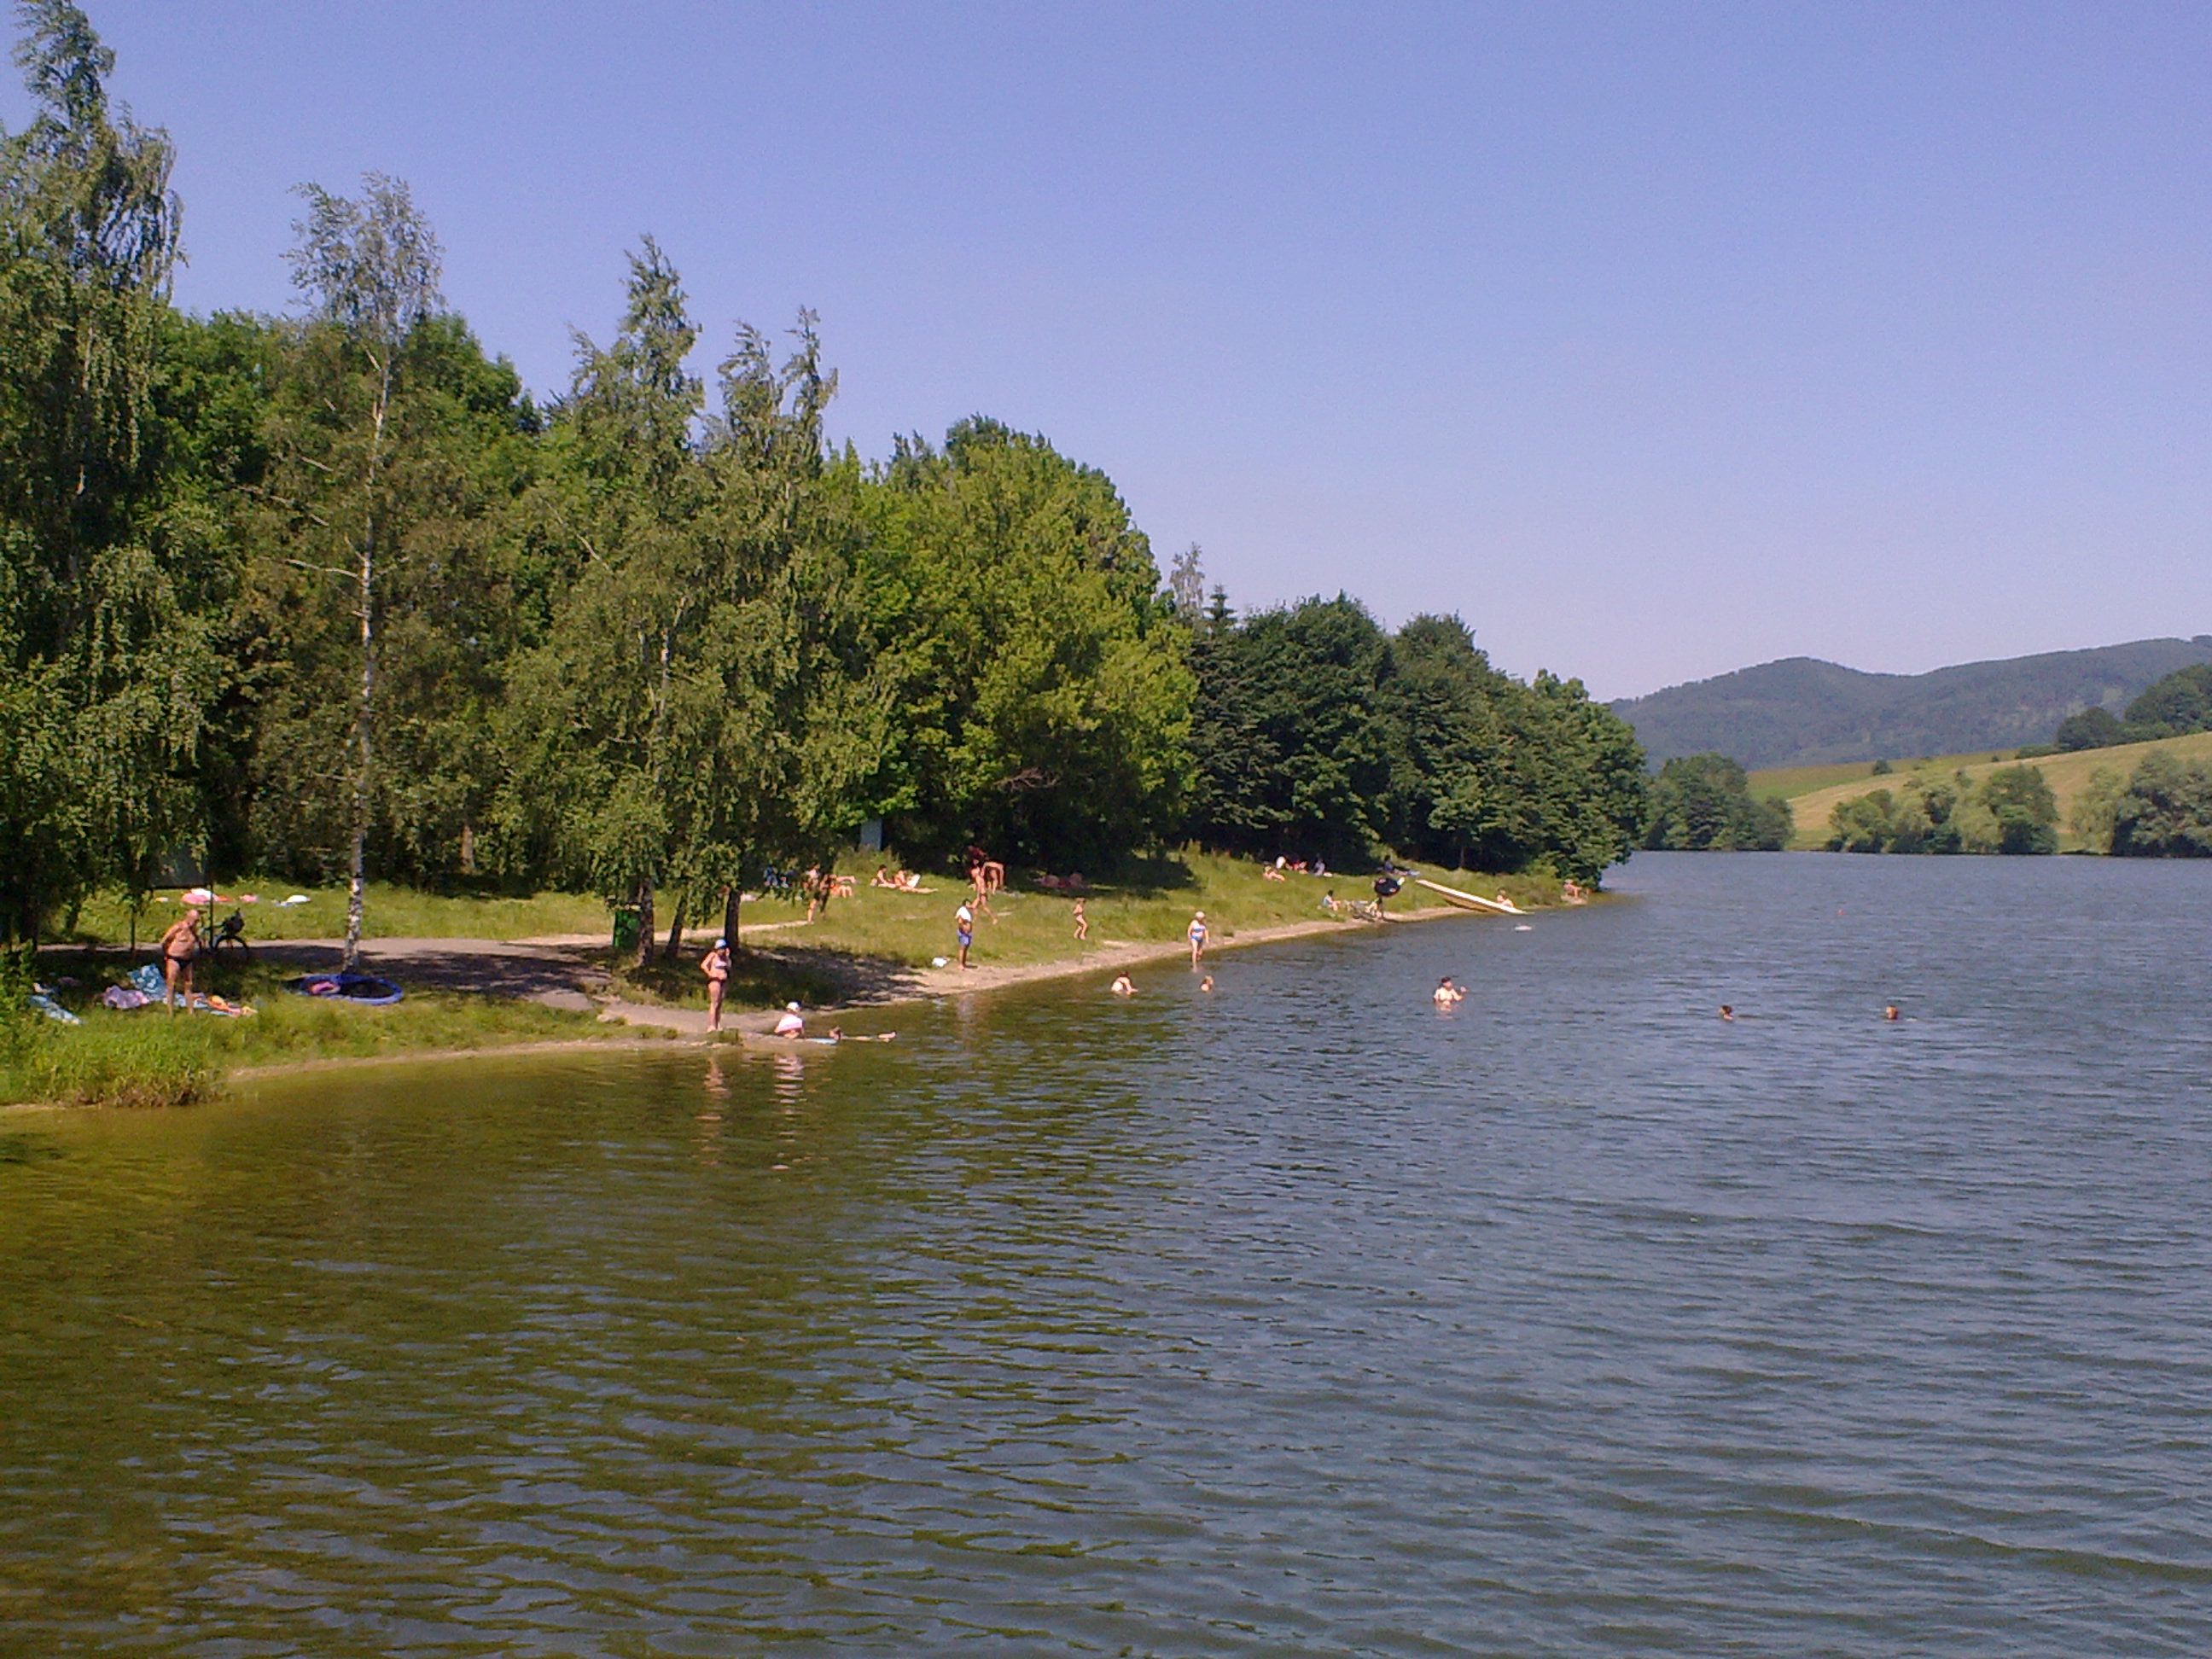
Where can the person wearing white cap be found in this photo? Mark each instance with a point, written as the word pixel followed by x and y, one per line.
pixel 791 1025
pixel 716 964
pixel 1197 938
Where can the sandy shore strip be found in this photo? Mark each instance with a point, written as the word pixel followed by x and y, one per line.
pixel 750 1027
pixel 1110 955
pixel 535 968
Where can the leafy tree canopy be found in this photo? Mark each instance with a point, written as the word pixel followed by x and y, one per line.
pixel 1703 803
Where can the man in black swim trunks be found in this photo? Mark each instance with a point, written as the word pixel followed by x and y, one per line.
pixel 180 948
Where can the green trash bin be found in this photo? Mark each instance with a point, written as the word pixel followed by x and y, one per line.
pixel 626 919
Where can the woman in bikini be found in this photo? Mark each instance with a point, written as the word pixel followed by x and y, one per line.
pixel 716 964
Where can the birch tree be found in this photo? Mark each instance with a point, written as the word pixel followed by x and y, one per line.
pixel 370 269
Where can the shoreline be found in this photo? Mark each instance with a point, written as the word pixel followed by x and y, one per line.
pixel 686 1027
pixel 1125 953
pixel 911 987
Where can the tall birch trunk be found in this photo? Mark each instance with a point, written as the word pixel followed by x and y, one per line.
pixel 365 712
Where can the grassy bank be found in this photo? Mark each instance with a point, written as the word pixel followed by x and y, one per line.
pixel 147 1057
pixel 2067 774
pixel 1154 904
pixel 390 912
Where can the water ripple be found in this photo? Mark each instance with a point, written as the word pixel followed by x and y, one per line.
pixel 1299 1318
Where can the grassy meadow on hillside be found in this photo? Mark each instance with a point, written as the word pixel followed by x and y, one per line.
pixel 1789 782
pixel 2066 774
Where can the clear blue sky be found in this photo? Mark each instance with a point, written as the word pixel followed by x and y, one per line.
pixel 1654 339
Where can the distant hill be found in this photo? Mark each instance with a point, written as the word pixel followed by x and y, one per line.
pixel 1803 712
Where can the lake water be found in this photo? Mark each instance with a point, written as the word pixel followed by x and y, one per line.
pixel 1300 1319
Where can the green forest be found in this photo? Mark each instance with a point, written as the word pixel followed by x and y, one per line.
pixel 2173 707
pixel 331 594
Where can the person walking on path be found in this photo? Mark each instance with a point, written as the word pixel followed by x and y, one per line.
pixel 965 920
pixel 1082 923
pixel 180 948
pixel 1197 934
pixel 716 964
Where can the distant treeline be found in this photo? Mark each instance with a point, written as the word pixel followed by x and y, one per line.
pixel 2163 809
pixel 1704 804
pixel 2171 708
pixel 332 594
pixel 2010 810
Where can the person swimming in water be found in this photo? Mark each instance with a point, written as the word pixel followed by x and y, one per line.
pixel 791 1023
pixel 1206 984
pixel 1889 1012
pixel 1122 987
pixel 1727 1011
pixel 1447 994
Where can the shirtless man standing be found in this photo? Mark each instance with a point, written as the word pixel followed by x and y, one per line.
pixel 180 948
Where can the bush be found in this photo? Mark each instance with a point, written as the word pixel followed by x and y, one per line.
pixel 2180 703
pixel 2166 811
pixel 2011 810
pixel 2019 798
pixel 2096 807
pixel 2092 728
